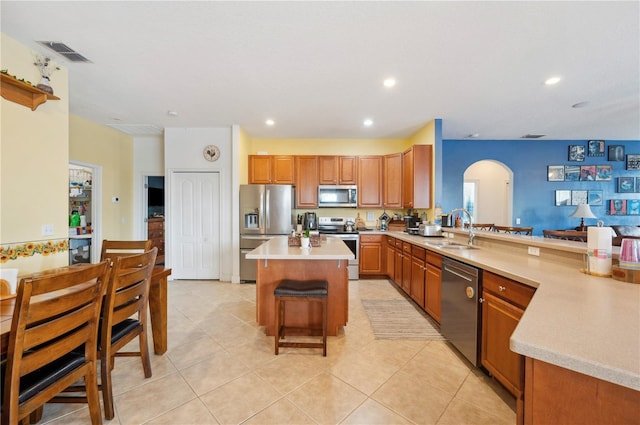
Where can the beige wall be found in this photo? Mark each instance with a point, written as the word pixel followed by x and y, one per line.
pixel 113 151
pixel 326 146
pixel 34 177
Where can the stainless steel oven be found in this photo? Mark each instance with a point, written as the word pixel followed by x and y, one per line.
pixel 335 226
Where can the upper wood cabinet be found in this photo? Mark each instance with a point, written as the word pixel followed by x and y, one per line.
pixel 338 170
pixel 306 181
pixel 416 177
pixel 370 181
pixel 271 169
pixel 392 182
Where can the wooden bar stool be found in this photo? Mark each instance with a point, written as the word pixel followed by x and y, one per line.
pixel 314 291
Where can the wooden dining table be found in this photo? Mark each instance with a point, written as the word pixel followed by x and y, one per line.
pixel 157 307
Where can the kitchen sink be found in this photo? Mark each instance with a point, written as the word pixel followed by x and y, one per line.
pixel 452 245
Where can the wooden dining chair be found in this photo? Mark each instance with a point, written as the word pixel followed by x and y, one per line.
pixel 515 230
pixel 567 235
pixel 124 317
pixel 481 226
pixel 114 249
pixel 54 315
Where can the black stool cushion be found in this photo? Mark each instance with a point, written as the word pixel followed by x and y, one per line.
pixel 301 288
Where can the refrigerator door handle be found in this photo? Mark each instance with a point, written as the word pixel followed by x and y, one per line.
pixel 261 211
pixel 267 209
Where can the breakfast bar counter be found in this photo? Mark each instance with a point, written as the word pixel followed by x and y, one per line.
pixel 277 261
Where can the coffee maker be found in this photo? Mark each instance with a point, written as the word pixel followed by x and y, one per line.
pixel 310 221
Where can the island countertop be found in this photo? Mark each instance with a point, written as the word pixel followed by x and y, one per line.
pixel 278 248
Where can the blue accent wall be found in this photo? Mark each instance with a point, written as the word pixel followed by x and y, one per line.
pixel 533 195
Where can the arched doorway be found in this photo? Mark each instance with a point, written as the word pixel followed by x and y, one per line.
pixel 488 192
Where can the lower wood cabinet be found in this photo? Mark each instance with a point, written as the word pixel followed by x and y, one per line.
pixel 372 255
pixel 155 232
pixel 503 303
pixel 397 266
pixel 391 257
pixel 418 274
pixel 433 286
pixel 406 267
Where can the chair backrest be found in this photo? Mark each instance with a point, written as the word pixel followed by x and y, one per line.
pixel 127 291
pixel 114 249
pixel 54 314
pixel 568 235
pixel 481 226
pixel 515 230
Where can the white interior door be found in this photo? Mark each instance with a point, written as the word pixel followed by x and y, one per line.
pixel 195 225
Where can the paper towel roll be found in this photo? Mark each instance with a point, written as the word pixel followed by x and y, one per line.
pixel 599 250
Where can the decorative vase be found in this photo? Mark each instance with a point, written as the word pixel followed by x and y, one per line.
pixel 305 242
pixel 44 85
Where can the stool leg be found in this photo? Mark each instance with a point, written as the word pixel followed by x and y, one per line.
pixel 324 327
pixel 277 324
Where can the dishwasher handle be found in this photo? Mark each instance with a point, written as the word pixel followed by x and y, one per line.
pixel 461 275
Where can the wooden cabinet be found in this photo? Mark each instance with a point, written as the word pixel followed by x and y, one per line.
pixel 390 257
pixel 338 170
pixel 503 303
pixel 555 395
pixel 271 169
pixel 392 181
pixel 406 267
pixel 372 251
pixel 397 264
pixel 306 181
pixel 433 285
pixel 416 177
pixel 155 232
pixel 370 181
pixel 418 274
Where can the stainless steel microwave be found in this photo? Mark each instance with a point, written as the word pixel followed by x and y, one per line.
pixel 337 196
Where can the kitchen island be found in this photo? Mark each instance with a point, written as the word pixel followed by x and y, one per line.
pixel 278 261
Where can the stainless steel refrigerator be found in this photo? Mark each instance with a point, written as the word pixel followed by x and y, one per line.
pixel 265 211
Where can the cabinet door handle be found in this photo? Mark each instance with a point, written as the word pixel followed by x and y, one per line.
pixel 480 300
pixel 501 288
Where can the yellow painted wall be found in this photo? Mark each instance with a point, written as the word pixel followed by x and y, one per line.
pixel 34 178
pixel 425 136
pixel 96 144
pixel 326 146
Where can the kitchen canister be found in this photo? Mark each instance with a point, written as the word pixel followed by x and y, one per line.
pixel 599 250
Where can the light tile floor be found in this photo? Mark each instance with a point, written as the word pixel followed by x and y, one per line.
pixel 220 369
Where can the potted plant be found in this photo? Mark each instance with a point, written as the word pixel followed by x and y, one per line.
pixel 304 240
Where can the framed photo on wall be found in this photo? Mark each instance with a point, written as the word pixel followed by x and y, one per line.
pixel 576 153
pixel 633 162
pixel 587 173
pixel 578 197
pixel 563 197
pixel 633 207
pixel 626 185
pixel 571 173
pixel 594 197
pixel 603 172
pixel 638 184
pixel 596 147
pixel 618 207
pixel 555 173
pixel 616 153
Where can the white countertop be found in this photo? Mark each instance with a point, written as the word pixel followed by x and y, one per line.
pixel 278 248
pixel 584 323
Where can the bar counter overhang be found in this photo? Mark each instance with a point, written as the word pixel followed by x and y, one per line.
pixel 277 260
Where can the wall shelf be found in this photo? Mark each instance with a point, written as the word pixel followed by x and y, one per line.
pixel 23 93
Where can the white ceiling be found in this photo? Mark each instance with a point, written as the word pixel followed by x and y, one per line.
pixel 316 68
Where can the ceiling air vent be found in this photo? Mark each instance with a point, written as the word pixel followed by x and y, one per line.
pixel 532 136
pixel 64 51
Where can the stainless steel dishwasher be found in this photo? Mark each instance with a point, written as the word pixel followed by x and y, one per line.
pixel 460 319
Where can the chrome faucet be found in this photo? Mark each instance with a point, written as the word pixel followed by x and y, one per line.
pixel 471 232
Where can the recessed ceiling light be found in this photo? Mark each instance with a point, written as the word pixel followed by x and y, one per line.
pixel 172 113
pixel 368 122
pixel 270 122
pixel 389 82
pixel 474 135
pixel 553 80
